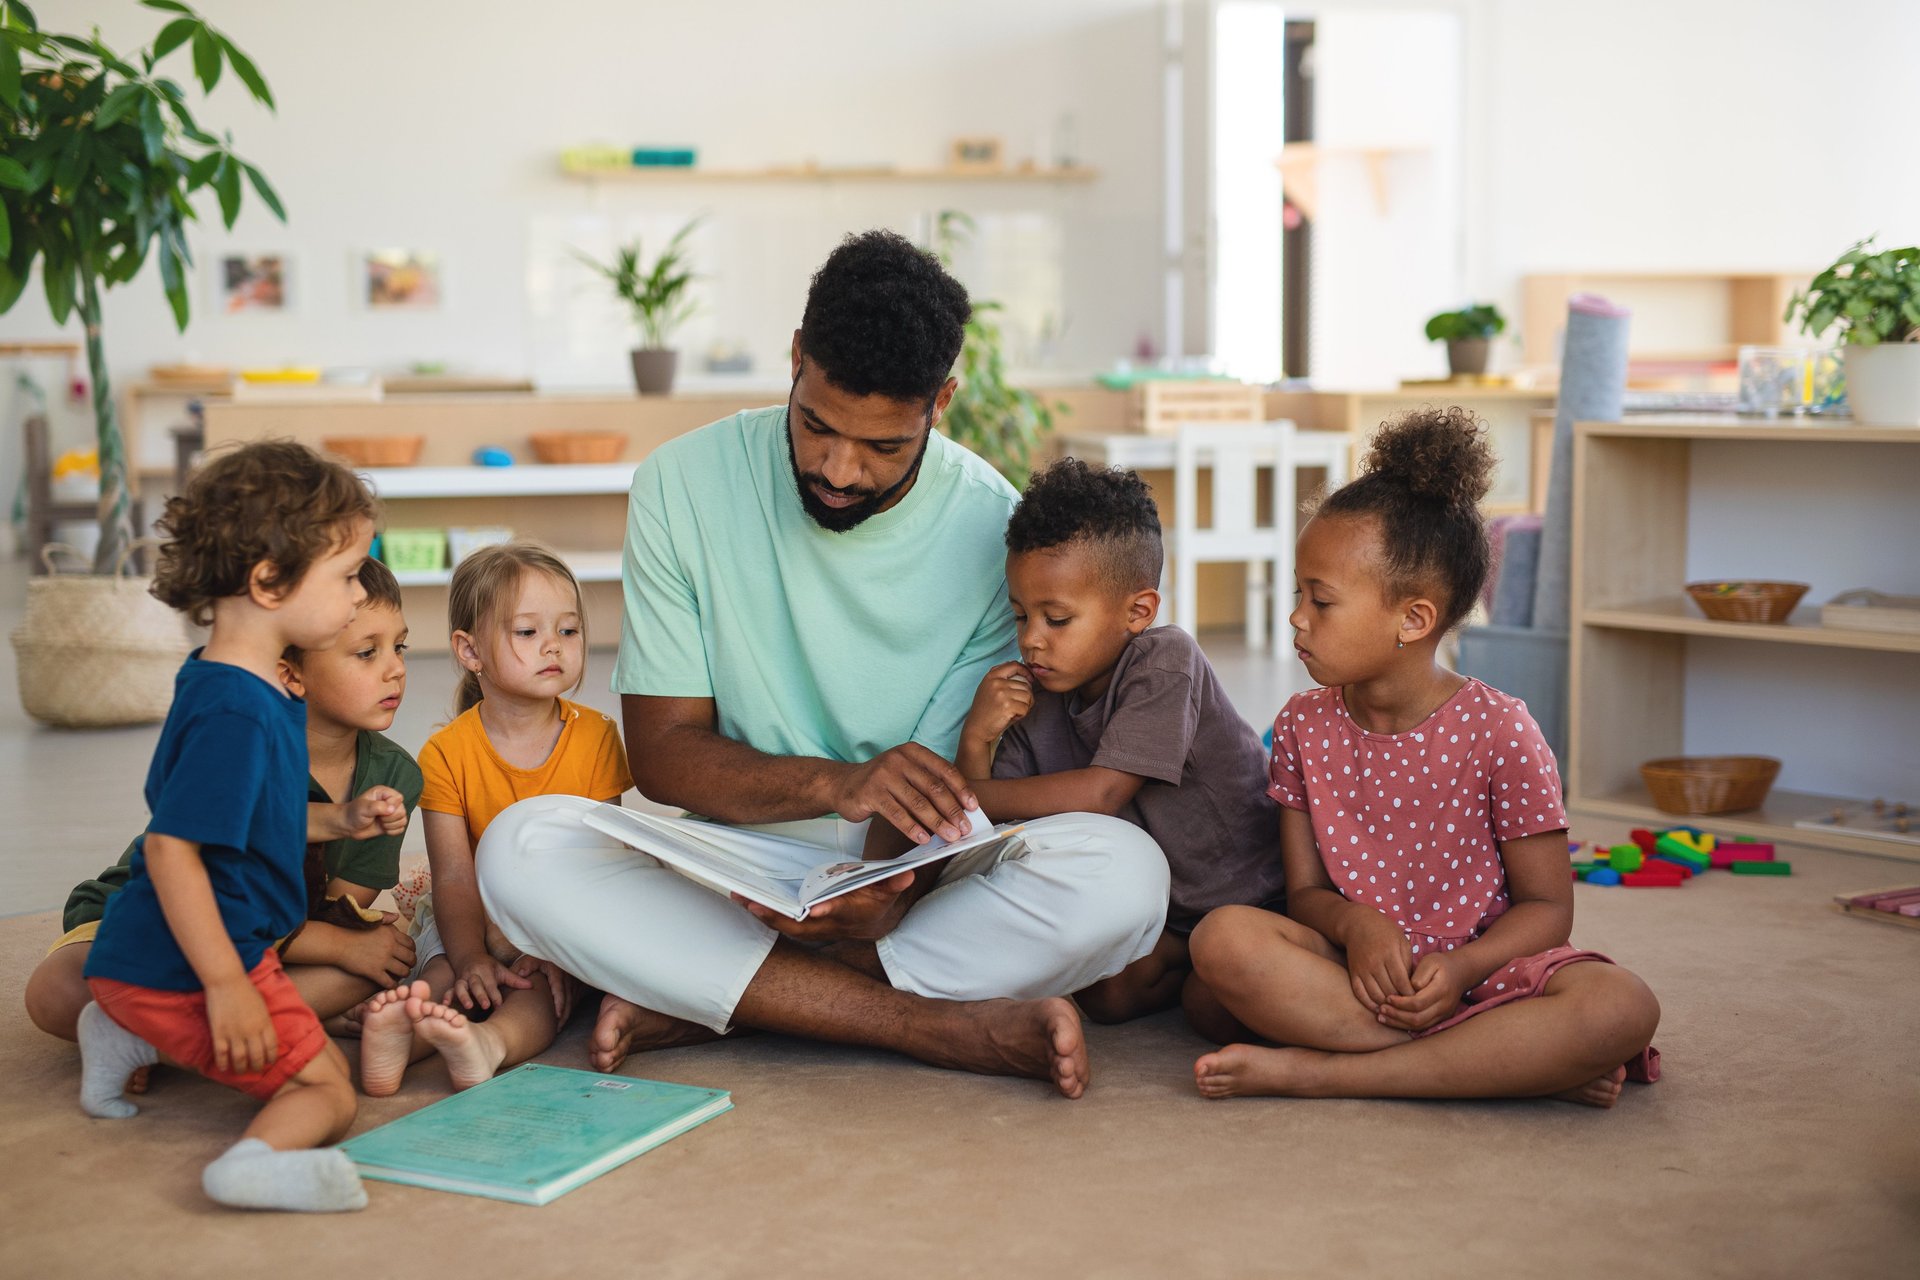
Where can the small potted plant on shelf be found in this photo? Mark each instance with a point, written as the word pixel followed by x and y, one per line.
pixel 658 296
pixel 1871 301
pixel 100 159
pixel 1469 334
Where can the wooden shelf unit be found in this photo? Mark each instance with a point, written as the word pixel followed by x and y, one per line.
pixel 1752 305
pixel 580 510
pixel 1678 615
pixel 1632 625
pixel 823 173
pixel 1519 484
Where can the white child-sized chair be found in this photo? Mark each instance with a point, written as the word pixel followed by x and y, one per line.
pixel 1234 454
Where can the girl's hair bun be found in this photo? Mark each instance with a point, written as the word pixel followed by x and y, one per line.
pixel 1436 455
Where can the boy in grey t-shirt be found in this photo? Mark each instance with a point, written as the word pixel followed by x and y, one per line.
pixel 1104 715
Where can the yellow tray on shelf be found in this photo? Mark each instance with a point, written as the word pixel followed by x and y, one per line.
pixel 280 375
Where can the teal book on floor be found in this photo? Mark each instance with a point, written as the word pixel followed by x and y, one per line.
pixel 532 1134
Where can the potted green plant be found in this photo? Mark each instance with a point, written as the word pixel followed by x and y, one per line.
pixel 1871 301
pixel 1001 423
pixel 1469 334
pixel 658 296
pixel 100 158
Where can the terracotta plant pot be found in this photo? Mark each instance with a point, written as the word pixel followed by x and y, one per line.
pixel 653 370
pixel 1467 355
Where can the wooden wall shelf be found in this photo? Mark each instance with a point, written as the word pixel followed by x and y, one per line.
pixel 822 174
pixel 1752 304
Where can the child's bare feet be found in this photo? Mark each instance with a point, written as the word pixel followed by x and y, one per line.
pixel 473 1050
pixel 1601 1091
pixel 386 1038
pixel 1249 1071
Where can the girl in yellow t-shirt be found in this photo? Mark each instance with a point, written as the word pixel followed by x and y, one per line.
pixel 519 631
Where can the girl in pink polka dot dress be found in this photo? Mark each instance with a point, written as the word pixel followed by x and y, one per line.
pixel 1425 950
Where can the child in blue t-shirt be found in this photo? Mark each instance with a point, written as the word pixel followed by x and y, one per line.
pixel 266 547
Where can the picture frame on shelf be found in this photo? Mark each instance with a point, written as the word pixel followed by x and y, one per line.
pixel 977 155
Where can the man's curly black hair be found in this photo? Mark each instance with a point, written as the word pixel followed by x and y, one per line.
pixel 884 318
pixel 1110 509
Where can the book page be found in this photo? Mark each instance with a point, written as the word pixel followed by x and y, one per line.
pixel 699 850
pixel 831 880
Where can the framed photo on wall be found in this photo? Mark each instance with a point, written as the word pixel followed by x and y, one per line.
pixel 253 283
pixel 399 280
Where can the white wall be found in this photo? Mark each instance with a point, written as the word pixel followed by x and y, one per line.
pixel 1686 135
pixel 437 125
pixel 1387 236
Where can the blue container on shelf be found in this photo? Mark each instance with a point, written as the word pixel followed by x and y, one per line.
pixel 663 157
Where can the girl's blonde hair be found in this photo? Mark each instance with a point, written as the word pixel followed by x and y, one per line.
pixel 484 583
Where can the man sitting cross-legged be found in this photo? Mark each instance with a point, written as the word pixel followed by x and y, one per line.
pixel 813 592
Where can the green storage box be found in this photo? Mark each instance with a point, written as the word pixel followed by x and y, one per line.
pixel 414 549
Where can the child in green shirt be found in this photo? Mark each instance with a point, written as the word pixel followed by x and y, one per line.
pixel 344 953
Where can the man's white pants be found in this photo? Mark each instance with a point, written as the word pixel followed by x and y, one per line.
pixel 1075 899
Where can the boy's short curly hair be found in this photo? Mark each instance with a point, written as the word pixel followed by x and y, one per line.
pixel 883 317
pixel 270 500
pixel 1111 509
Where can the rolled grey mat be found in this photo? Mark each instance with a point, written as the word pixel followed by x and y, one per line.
pixel 1593 383
pixel 1519 568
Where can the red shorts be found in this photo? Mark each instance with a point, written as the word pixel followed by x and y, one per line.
pixel 175 1023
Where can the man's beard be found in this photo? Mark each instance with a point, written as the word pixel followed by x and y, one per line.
pixel 841 519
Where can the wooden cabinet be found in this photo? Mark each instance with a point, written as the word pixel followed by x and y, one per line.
pixel 1831 504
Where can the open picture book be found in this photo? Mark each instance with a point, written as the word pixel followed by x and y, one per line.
pixel 756 864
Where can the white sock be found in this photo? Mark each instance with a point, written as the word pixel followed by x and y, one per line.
pixel 109 1053
pixel 252 1175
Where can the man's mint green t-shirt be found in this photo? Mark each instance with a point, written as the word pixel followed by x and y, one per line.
pixel 811 643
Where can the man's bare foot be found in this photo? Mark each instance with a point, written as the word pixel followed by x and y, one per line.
pixel 473 1050
pixel 386 1038
pixel 1601 1091
pixel 1041 1039
pixel 1250 1071
pixel 623 1027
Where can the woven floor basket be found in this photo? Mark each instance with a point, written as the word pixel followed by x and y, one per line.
pixel 96 651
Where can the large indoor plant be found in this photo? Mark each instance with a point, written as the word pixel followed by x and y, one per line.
pixel 1469 334
pixel 99 160
pixel 658 296
pixel 1871 302
pixel 1001 423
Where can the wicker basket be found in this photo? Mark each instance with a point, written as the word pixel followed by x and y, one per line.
pixel 1747 601
pixel 96 651
pixel 578 446
pixel 375 451
pixel 1709 784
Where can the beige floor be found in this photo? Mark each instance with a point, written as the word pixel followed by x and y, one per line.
pixel 1785 1140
